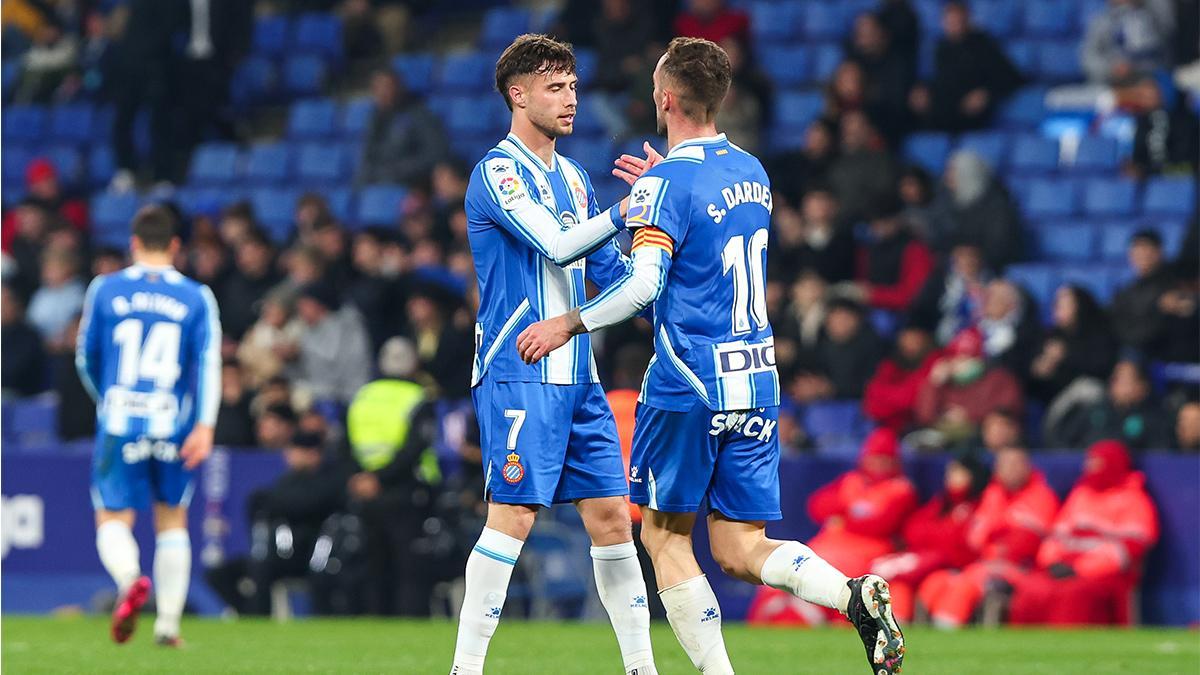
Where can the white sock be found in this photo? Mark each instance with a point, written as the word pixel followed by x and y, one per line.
pixel 695 617
pixel 172 572
pixel 489 568
pixel 795 568
pixel 623 593
pixel 119 553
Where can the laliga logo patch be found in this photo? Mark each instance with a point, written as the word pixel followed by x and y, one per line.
pixel 512 471
pixel 509 185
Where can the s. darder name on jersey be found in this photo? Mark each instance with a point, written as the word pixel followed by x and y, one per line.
pixel 154 303
pixel 745 192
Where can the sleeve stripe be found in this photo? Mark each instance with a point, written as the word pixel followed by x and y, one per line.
pixel 209 384
pixel 81 342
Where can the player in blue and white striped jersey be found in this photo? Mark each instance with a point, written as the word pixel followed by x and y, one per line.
pixel 149 352
pixel 546 431
pixel 706 419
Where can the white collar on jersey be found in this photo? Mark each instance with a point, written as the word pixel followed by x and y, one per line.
pixel 701 140
pixel 137 270
pixel 534 158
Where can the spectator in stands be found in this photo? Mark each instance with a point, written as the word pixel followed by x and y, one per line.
pixel 312 209
pixel 821 244
pixel 59 298
pixel 1014 514
pixel 1127 39
pixel 50 58
pixel 1080 344
pixel 953 297
pixel 441 343
pixel 863 173
pixel 404 140
pixel 846 356
pixel 934 537
pixel 362 38
pixel 794 172
pixel 971 75
pixel 1090 564
pixel 746 111
pixel 974 207
pixel 916 191
pixel 1136 312
pixel 391 427
pixel 333 358
pixel 333 249
pixel 253 276
pixel 141 79
pixel 888 73
pixel 107 260
pixel 23 368
pixel 235 425
pixel 893 266
pixel 962 388
pixel 1129 412
pixel 304 265
pixel 1010 326
pixel 377 290
pixel 862 511
pixel 903 27
pixel 236 224
pixel 891 394
pixel 1000 429
pixel 44 188
pixel 800 329
pixel 1187 427
pixel 264 349
pixel 76 408
pixel 275 426
pixel 1167 136
pixel 621 35
pixel 208 262
pixel 712 20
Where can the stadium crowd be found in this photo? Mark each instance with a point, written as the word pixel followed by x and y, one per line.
pixel 885 285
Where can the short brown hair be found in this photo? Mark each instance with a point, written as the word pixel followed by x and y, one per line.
pixel 700 71
pixel 155 227
pixel 532 54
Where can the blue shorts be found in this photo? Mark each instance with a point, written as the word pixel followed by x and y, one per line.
pixel 129 471
pixel 547 443
pixel 732 459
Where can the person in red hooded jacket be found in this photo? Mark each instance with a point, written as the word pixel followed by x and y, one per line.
pixel 891 394
pixel 1092 560
pixel 1014 515
pixel 935 535
pixel 860 514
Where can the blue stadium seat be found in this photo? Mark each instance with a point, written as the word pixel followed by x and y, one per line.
pixel 468 116
pixel 1173 233
pixel 113 211
pixel 1171 196
pixel 470 147
pixel 1051 198
pixel 992 146
pixel 304 74
pixel 196 200
pixel 341 201
pixel 998 17
pixel 1025 108
pixel 71 123
pixel 314 118
pixel 1034 153
pixel 1023 54
pixel 824 20
pixel 101 165
pixel 1048 18
pixel 254 81
pixel 788 65
pixel 24 123
pixel 1037 278
pixel 464 72
pixel 416 70
pixel 929 149
pixel 275 208
pixel 1075 242
pixel 833 423
pixel 587 119
pixel 501 25
pixel 929 13
pixel 595 154
pixel 68 161
pixel 270 36
pixel 1088 9
pixel 268 163
pixel 1096 153
pixel 379 205
pixel 16 159
pixel 318 33
pixel 1058 61
pixel 323 163
pixel 825 60
pixel 775 21
pixel 1114 241
pixel 10 73
pixel 797 109
pixel 214 164
pixel 1101 281
pixel 1109 197
pixel 355 116
pixel 585 66
pixel 32 421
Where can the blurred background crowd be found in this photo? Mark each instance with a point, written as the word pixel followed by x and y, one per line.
pixel 984 240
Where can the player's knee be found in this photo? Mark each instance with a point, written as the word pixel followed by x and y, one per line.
pixel 515 521
pixel 607 523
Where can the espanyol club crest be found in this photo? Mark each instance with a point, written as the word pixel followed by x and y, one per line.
pixel 513 472
pixel 580 195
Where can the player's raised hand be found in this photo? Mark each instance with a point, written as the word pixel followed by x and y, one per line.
pixel 197 446
pixel 543 337
pixel 630 168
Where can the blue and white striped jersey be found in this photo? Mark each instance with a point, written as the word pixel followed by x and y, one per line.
pixel 712 339
pixel 149 352
pixel 536 234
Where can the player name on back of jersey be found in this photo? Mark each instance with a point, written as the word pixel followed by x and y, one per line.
pixel 745 192
pixel 153 303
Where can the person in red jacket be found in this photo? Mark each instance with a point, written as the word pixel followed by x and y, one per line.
pixel 935 535
pixel 1013 516
pixel 894 264
pixel 891 393
pixel 46 191
pixel 1091 562
pixel 860 514
pixel 712 20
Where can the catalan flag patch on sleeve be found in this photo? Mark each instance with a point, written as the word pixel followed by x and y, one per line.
pixel 652 236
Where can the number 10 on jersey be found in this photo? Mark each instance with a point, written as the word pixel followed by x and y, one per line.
pixel 747 262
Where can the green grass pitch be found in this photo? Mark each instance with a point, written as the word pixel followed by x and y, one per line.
pixel 81 645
